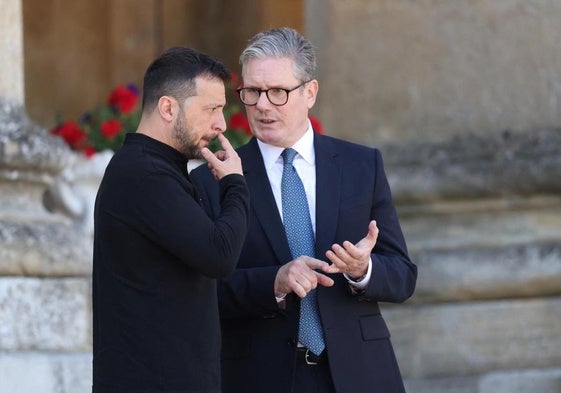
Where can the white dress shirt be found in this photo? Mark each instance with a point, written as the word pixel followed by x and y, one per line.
pixel 305 165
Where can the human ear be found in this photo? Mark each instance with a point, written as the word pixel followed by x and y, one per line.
pixel 311 92
pixel 167 108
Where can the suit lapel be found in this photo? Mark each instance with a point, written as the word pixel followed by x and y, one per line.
pixel 262 200
pixel 328 193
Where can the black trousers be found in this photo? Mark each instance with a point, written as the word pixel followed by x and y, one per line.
pixel 312 378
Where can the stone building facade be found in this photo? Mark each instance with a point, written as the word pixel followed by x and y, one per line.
pixel 463 99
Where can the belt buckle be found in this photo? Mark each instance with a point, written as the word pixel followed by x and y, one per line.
pixel 309 362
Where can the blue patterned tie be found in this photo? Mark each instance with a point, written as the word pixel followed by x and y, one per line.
pixel 298 228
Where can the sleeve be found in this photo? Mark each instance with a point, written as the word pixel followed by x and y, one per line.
pixel 172 217
pixel 247 292
pixel 393 276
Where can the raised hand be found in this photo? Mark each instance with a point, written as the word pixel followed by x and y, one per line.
pixel 352 259
pixel 223 162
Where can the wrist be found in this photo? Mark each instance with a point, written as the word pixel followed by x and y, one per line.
pixel 357 278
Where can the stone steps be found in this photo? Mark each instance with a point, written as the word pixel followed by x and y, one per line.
pixel 486 314
pixel 460 339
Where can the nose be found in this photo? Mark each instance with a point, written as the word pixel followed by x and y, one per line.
pixel 262 101
pixel 220 125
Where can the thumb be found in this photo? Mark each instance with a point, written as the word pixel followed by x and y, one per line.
pixel 372 230
pixel 371 236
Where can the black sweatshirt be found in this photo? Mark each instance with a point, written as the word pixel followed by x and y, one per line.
pixel 156 257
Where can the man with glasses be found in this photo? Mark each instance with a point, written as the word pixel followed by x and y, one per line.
pixel 300 312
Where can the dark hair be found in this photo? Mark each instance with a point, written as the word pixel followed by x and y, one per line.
pixel 173 74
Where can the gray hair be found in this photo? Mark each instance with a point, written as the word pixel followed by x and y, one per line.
pixel 280 43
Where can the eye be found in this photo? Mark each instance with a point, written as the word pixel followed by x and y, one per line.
pixel 276 91
pixel 249 92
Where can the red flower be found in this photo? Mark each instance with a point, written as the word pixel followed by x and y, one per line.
pixel 235 79
pixel 239 121
pixel 71 133
pixel 123 98
pixel 89 151
pixel 316 124
pixel 110 128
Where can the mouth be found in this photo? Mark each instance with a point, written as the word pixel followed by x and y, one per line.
pixel 209 138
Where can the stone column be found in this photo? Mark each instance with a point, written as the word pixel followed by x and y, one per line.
pixel 44 260
pixel 11 43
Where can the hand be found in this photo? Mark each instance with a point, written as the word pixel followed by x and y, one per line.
pixel 299 276
pixel 352 259
pixel 223 162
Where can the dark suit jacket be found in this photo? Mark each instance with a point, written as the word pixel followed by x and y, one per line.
pixel 259 339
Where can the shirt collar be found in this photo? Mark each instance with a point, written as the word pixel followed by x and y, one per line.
pixel 304 146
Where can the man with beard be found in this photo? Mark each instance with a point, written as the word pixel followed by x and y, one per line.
pixel 156 252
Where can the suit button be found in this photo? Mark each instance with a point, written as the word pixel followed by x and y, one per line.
pixel 292 342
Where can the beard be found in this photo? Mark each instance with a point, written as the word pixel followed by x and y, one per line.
pixel 185 142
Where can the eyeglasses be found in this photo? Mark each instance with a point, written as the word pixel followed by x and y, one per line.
pixel 276 95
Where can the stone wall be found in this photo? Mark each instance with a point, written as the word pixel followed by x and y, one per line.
pixel 418 69
pixel 463 99
pixel 485 231
pixel 45 267
pixel 45 258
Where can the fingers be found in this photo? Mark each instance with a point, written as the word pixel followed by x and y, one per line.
pixel 225 143
pixel 301 290
pixel 352 258
pixel 331 269
pixel 223 162
pixel 221 155
pixel 299 276
pixel 313 263
pixel 213 162
pixel 343 260
pixel 306 273
pixel 348 254
pixel 349 251
pixel 324 280
pixel 208 155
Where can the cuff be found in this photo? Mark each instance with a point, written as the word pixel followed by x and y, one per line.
pixel 361 283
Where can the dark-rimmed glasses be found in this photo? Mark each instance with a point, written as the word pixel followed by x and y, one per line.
pixel 276 95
